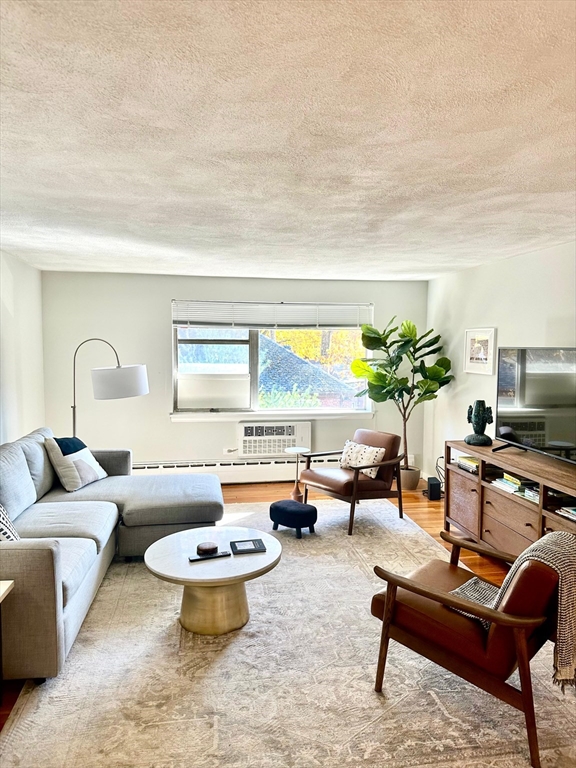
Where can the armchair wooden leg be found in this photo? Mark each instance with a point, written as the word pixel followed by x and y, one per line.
pixel 385 636
pixel 351 523
pixel 527 695
pixel 305 494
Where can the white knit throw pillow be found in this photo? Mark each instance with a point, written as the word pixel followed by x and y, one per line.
pixel 358 455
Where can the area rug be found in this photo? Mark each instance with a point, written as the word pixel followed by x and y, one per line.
pixel 292 689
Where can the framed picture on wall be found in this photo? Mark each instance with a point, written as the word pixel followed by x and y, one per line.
pixel 479 350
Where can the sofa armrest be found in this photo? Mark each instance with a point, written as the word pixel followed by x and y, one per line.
pixel 32 621
pixel 115 462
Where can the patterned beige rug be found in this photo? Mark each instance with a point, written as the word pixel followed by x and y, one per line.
pixel 292 689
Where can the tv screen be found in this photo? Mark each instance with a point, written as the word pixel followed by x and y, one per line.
pixel 536 404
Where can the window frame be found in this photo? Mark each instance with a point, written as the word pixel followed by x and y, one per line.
pixel 253 343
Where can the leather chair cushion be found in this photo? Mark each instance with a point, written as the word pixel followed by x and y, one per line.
pixel 436 624
pixel 341 481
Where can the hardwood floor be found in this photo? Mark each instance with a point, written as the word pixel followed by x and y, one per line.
pixel 429 515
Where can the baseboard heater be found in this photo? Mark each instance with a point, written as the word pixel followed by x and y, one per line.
pixel 268 470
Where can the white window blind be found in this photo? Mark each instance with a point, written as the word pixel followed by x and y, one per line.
pixel 248 314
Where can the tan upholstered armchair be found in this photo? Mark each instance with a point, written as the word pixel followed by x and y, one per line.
pixel 415 611
pixel 352 485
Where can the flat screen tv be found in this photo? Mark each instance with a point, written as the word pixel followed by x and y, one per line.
pixel 536 404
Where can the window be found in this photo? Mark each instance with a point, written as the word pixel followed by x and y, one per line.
pixel 281 360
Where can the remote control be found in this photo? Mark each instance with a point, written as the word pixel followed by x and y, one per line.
pixel 196 558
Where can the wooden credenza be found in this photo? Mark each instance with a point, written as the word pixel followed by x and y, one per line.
pixel 503 520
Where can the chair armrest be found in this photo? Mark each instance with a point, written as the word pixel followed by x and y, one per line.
pixel 388 463
pixel 481 549
pixel 116 461
pixel 452 601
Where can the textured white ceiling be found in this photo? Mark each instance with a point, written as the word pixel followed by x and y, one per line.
pixel 345 139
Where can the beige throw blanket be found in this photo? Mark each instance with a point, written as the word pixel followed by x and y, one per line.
pixel 558 551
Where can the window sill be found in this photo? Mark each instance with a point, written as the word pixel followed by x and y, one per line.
pixel 259 416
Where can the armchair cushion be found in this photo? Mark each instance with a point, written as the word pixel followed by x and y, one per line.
pixel 438 625
pixel 341 481
pixel 358 455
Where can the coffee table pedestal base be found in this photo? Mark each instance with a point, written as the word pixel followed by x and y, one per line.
pixel 214 610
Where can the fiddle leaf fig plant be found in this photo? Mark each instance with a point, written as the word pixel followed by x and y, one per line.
pixel 400 373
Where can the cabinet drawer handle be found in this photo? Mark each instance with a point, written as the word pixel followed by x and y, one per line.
pixel 548 530
pixel 489 502
pixel 486 530
pixel 473 490
pixel 528 525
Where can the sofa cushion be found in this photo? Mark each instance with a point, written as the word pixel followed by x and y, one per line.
pixel 17 490
pixel 76 558
pixel 85 520
pixel 37 459
pixel 73 462
pixel 154 499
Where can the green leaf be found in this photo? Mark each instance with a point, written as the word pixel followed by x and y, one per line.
pixel 422 398
pixel 408 330
pixel 371 342
pixel 444 362
pixel 386 334
pixel 369 330
pixel 402 348
pixel 379 394
pixel 435 372
pixel 380 378
pixel 424 335
pixel 427 385
pixel 360 369
pixel 362 393
pixel 427 344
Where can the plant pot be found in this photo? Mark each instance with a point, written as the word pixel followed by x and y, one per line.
pixel 410 478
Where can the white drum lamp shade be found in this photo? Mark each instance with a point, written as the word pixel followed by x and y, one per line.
pixel 111 383
pixel 119 382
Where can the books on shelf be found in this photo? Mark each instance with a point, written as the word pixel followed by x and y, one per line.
pixel 504 485
pixel 521 486
pixel 568 512
pixel 469 463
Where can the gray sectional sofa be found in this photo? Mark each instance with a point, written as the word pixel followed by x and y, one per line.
pixel 68 541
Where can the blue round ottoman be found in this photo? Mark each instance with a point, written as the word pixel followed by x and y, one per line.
pixel 293 514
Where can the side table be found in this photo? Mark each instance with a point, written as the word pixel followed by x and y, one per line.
pixel 296 494
pixel 5 588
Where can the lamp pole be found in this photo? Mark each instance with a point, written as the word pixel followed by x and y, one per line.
pixel 74 377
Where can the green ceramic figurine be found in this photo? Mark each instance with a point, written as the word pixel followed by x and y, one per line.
pixel 479 415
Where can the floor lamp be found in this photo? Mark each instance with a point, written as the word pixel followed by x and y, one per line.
pixel 111 383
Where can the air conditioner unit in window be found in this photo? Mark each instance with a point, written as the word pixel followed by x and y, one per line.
pixel 272 438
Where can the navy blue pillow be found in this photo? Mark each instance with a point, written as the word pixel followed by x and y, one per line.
pixel 69 445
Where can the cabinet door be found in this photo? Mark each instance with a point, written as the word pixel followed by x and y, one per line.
pixel 513 513
pixel 464 503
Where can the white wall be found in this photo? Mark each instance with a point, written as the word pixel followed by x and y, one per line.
pixel 21 368
pixel 133 312
pixel 530 299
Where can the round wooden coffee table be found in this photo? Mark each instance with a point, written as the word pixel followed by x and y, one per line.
pixel 214 599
